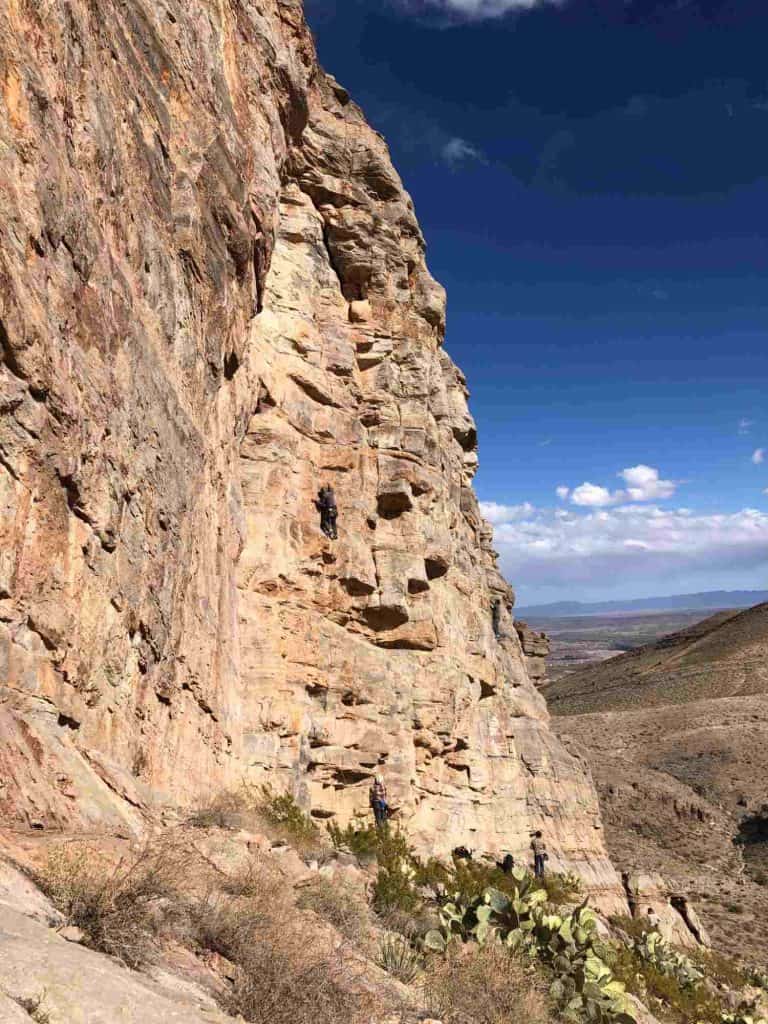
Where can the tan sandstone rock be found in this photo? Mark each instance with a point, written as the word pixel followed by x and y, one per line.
pixel 535 647
pixel 214 299
pixel 678 922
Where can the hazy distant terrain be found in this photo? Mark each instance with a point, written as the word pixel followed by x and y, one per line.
pixel 579 640
pixel 708 600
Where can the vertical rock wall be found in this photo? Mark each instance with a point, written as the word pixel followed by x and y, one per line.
pixel 535 647
pixel 214 299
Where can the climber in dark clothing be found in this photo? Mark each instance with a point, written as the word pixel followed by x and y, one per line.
pixel 329 513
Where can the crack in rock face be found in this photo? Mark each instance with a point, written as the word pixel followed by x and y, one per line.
pixel 214 302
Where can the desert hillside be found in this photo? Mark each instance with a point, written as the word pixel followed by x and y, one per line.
pixel 676 734
pixel 722 656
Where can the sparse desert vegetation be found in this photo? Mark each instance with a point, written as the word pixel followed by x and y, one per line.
pixel 374 931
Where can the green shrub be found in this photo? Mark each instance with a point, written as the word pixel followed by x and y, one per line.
pixel 654 950
pixel 287 820
pixel 396 887
pixel 679 988
pixel 361 842
pixel 756 976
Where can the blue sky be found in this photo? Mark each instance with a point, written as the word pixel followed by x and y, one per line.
pixel 592 180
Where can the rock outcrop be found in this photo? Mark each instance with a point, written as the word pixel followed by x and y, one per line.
pixel 535 647
pixel 214 298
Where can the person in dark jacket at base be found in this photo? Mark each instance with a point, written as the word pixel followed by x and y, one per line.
pixel 329 512
pixel 540 854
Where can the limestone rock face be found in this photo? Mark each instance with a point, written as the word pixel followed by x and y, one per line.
pixel 676 919
pixel 214 299
pixel 535 647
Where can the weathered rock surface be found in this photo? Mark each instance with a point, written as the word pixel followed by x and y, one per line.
pixel 214 298
pixel 678 922
pixel 40 964
pixel 535 647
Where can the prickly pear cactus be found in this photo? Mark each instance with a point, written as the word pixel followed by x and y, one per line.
pixel 584 986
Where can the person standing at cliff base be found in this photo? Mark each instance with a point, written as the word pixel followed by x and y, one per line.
pixel 329 512
pixel 540 854
pixel 378 799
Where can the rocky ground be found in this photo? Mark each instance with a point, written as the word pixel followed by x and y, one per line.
pixel 237 915
pixel 175 969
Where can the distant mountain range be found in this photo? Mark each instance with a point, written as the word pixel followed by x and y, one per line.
pixel 710 600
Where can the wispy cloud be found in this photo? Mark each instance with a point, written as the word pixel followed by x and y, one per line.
pixel 496 513
pixel 745 426
pixel 477 10
pixel 644 483
pixel 558 548
pixel 458 151
pixel 758 456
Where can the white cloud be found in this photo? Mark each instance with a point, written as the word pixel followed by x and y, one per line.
pixel 758 456
pixel 458 151
pixel 475 10
pixel 592 496
pixel 562 549
pixel 644 484
pixel 745 426
pixel 496 513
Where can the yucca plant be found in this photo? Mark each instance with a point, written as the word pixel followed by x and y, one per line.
pixel 398 957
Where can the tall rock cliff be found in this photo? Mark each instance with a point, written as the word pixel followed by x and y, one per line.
pixel 214 299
